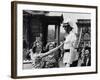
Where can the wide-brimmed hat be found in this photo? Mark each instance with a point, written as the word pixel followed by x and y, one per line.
pixel 71 24
pixel 67 25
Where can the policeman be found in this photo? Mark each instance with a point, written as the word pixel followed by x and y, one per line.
pixel 69 44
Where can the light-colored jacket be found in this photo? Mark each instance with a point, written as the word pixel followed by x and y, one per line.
pixel 70 43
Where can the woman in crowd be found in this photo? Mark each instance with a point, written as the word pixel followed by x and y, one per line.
pixel 35 52
pixel 86 57
pixel 51 60
pixel 37 55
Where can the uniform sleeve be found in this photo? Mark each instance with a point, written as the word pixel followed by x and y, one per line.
pixel 67 39
pixel 73 37
pixel 73 40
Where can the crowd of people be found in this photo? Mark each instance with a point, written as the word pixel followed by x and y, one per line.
pixel 50 55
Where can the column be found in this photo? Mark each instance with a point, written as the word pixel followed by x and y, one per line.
pixel 57 34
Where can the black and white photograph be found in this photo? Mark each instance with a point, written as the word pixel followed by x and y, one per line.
pixel 53 39
pixel 56 39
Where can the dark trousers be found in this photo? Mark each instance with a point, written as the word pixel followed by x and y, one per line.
pixel 74 64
